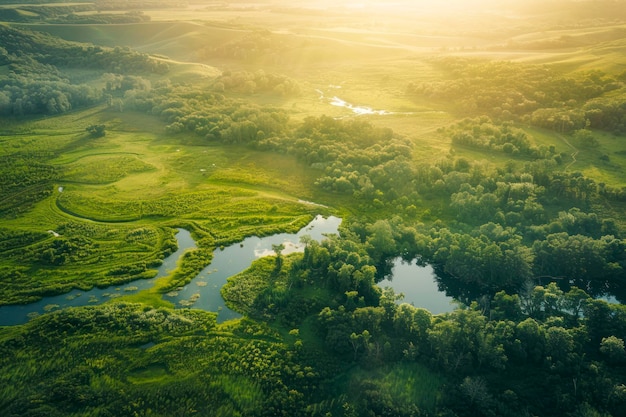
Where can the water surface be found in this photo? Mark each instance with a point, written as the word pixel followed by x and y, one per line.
pixel 419 286
pixel 203 292
pixel 20 314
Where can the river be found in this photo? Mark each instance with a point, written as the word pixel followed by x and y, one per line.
pixel 21 313
pixel 204 288
pixel 203 292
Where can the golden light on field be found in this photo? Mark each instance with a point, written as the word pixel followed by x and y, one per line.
pixel 406 6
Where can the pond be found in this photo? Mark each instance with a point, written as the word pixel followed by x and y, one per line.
pixel 419 285
pixel 203 292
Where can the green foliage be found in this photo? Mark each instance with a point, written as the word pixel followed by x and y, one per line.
pixel 257 82
pixel 37 82
pixel 532 93
pixel 96 131
pixel 80 255
pixel 25 180
pixel 483 133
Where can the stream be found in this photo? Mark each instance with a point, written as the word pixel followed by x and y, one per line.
pixel 203 292
pixel 358 110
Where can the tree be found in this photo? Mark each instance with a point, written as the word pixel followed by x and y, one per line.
pixel 278 250
pixel 96 131
pixel 574 301
pixel 356 342
pixel 506 307
pixel 613 348
pixel 586 138
pixel 532 338
pixel 381 241
pixel 559 345
pixel 475 390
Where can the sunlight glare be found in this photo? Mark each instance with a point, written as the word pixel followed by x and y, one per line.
pixel 407 6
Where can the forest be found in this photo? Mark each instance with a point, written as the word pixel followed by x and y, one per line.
pixel 489 149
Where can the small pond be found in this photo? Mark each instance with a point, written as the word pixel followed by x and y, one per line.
pixel 419 286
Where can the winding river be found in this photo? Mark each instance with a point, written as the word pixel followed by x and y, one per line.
pixel 203 292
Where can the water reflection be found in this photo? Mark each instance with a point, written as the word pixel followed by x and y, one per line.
pixel 419 285
pixel 466 293
pixel 203 292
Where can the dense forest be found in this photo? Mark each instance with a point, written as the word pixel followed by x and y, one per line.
pixel 513 190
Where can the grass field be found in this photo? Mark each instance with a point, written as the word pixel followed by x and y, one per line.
pixel 138 179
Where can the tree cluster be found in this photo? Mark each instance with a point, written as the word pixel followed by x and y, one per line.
pixel 36 82
pixel 257 82
pixel 484 134
pixel 252 47
pixel 529 93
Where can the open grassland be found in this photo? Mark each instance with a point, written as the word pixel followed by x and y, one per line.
pixel 112 201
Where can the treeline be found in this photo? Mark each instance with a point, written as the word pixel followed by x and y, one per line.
pixel 101 18
pixel 67 13
pixel 257 82
pixel 530 93
pixel 36 81
pixel 209 114
pixel 255 46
